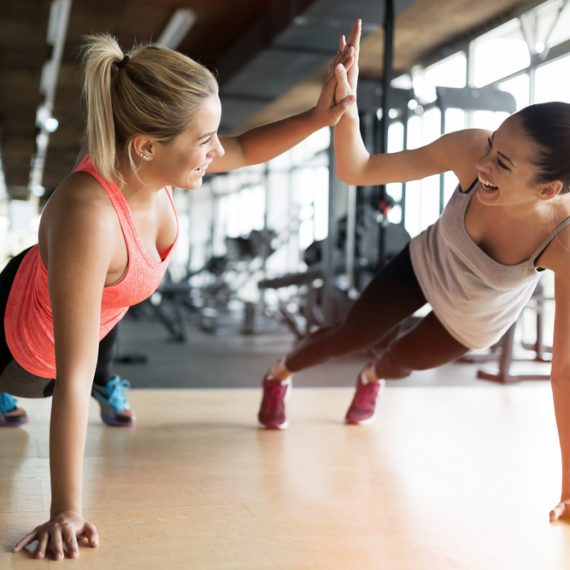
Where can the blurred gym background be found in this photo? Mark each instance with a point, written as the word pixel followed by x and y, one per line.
pixel 269 253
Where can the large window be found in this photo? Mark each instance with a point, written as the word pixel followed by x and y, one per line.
pixel 508 41
pixel 552 24
pixel 551 81
pixel 519 88
pixel 449 72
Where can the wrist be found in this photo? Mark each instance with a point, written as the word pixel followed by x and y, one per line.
pixel 60 510
pixel 317 119
pixel 350 117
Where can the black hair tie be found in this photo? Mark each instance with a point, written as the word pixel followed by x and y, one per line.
pixel 123 62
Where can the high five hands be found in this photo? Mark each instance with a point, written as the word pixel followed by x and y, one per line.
pixel 347 76
pixel 339 90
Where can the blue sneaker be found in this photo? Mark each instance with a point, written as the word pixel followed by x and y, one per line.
pixel 10 414
pixel 115 409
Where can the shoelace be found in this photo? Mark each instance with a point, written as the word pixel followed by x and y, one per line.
pixel 116 389
pixel 7 403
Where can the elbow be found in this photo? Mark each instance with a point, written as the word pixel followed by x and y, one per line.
pixel 340 173
pixel 346 174
pixel 354 171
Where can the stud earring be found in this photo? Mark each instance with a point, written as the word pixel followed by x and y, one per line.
pixel 145 156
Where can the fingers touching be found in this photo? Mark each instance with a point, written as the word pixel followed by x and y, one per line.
pixel 355 33
pixel 343 88
pixel 347 58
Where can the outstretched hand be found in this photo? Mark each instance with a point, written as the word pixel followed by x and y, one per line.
pixel 59 536
pixel 352 46
pixel 334 100
pixel 327 108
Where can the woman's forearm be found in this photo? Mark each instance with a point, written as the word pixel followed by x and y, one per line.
pixel 68 428
pixel 268 141
pixel 561 395
pixel 351 156
pixel 264 143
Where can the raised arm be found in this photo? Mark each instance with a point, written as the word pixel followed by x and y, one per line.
pixel 74 239
pixel 263 143
pixel 455 152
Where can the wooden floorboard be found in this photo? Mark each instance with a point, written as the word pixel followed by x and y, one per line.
pixel 447 478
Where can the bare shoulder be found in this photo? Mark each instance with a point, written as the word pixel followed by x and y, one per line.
pixel 469 138
pixel 463 149
pixel 79 210
pixel 78 199
pixel 466 144
pixel 556 256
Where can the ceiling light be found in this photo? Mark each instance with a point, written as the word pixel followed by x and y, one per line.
pixel 44 119
pixel 51 124
pixel 177 28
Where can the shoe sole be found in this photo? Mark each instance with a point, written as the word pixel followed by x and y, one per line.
pixel 365 422
pixel 15 424
pixel 282 426
pixel 113 423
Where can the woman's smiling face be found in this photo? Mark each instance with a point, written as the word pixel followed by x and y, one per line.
pixel 183 161
pixel 507 170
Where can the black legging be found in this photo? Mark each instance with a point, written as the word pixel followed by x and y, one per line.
pixel 390 297
pixel 103 371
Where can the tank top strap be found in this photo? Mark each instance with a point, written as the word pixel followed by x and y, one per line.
pixel 540 249
pixel 471 186
pixel 115 195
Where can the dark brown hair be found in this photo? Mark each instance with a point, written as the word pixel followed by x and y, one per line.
pixel 548 124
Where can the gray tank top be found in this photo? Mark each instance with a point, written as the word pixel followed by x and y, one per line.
pixel 475 297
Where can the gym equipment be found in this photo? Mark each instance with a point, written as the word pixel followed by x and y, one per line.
pixel 203 295
pixel 302 312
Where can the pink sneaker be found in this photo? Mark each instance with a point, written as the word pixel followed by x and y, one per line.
pixel 363 406
pixel 272 410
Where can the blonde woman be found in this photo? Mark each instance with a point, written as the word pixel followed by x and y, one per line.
pixel 105 240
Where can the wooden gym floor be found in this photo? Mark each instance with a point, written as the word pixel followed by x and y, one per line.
pixel 447 478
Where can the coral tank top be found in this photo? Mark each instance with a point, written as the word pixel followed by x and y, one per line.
pixel 29 322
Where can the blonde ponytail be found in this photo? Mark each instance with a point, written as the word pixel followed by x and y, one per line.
pixel 101 54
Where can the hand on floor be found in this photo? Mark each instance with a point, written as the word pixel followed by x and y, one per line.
pixel 60 535
pixel 560 511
